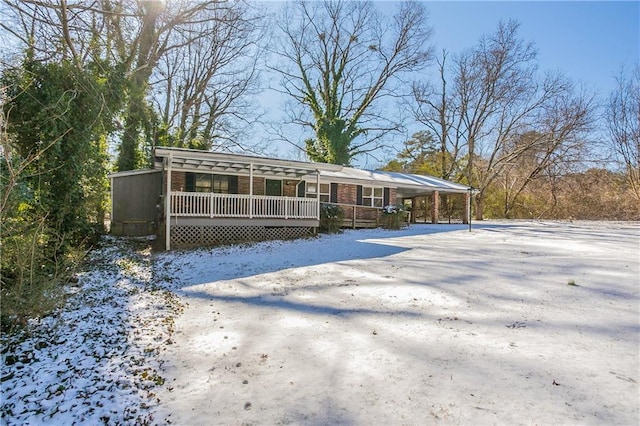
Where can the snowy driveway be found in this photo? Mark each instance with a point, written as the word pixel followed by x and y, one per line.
pixel 513 323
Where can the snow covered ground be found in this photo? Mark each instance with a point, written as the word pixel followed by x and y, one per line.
pixel 96 361
pixel 512 323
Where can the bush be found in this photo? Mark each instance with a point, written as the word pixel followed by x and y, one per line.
pixel 31 271
pixel 331 217
pixel 393 217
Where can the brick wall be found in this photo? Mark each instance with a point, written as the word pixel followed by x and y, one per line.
pixel 289 188
pixel 393 196
pixel 258 186
pixel 347 194
pixel 178 181
pixel 243 184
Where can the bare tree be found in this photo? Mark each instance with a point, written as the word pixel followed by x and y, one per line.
pixel 623 118
pixel 129 37
pixel 554 149
pixel 201 89
pixel 434 107
pixel 495 96
pixel 340 62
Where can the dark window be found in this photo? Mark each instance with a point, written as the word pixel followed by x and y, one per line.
pixel 334 193
pixel 233 184
pixel 273 187
pixel 220 184
pixel 190 182
pixel 204 182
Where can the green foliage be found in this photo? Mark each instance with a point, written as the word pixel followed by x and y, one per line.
pixel 331 217
pixel 421 155
pixel 393 166
pixel 419 152
pixel 53 177
pixel 138 138
pixel 58 117
pixel 333 139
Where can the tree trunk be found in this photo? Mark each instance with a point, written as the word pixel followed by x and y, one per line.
pixel 128 158
pixel 479 200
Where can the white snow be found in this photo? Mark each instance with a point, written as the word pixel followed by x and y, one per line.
pixel 96 361
pixel 431 324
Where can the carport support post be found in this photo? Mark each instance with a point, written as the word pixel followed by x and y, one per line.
pixel 112 204
pixel 435 207
pixel 167 207
pixel 414 209
pixel 467 208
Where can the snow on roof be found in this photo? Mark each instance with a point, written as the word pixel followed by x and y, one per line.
pixel 394 179
pixel 425 180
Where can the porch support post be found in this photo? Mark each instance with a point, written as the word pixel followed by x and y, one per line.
pixel 251 191
pixel 167 206
pixel 318 191
pixel 353 218
pixel 435 207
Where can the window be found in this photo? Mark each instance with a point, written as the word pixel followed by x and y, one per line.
pixel 204 182
pixel 221 184
pixel 325 191
pixel 372 196
pixel 273 187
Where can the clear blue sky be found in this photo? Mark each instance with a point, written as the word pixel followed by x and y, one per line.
pixel 588 40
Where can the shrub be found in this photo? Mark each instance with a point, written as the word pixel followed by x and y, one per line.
pixel 393 217
pixel 32 270
pixel 331 217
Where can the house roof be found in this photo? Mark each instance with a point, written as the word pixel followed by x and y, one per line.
pixel 422 181
pixel 407 185
pixel 204 161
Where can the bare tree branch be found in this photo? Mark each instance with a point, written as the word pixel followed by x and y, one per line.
pixel 623 119
pixel 340 62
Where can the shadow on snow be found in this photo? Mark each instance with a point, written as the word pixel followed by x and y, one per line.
pixel 202 266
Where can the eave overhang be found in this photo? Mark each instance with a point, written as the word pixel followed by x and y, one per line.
pixel 238 164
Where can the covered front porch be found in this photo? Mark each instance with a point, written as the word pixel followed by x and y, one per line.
pixel 221 198
pixel 201 219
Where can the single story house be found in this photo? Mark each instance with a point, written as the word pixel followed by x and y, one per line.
pixel 198 198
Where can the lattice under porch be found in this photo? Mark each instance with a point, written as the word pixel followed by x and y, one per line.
pixel 186 236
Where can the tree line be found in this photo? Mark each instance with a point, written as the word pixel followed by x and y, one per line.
pixel 92 86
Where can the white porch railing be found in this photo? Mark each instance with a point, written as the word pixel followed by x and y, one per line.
pixel 205 204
